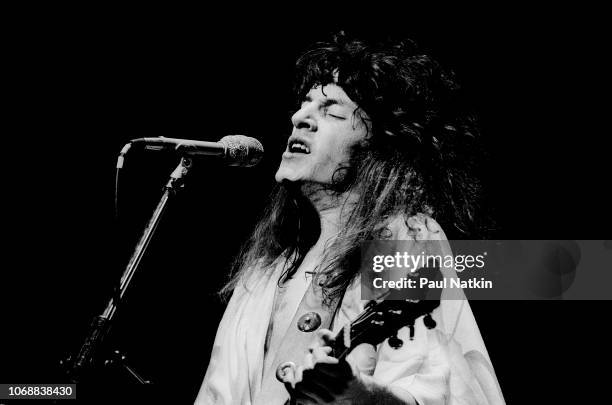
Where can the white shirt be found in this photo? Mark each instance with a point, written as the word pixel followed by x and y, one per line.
pixel 446 365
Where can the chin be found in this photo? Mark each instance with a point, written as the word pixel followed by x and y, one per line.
pixel 290 171
pixel 285 175
pixel 278 178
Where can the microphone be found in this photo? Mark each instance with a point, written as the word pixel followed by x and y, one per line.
pixel 238 150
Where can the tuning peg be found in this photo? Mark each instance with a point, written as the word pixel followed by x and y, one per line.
pixel 395 342
pixel 429 321
pixel 411 327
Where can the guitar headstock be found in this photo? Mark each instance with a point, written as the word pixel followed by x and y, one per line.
pixel 382 319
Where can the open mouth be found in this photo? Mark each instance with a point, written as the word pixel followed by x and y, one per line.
pixel 296 146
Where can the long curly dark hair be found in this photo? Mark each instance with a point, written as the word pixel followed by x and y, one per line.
pixel 420 157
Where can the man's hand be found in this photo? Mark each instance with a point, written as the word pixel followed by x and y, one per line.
pixel 324 379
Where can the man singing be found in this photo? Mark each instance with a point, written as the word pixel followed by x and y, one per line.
pixel 380 146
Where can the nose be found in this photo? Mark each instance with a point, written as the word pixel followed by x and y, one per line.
pixel 304 118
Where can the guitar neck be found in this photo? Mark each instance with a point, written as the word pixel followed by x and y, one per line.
pixel 339 350
pixel 342 345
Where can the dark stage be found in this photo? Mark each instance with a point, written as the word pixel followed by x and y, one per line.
pixel 88 83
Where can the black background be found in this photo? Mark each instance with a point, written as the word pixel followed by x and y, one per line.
pixel 84 82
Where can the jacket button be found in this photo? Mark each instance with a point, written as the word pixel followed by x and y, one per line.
pixel 309 322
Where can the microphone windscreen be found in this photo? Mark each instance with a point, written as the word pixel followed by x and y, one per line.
pixel 242 150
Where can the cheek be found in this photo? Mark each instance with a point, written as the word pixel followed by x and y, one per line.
pixel 329 161
pixel 329 158
pixel 339 152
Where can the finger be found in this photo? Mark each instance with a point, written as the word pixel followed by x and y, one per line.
pixel 321 355
pixel 309 361
pixel 298 375
pixel 324 337
pixel 326 349
pixel 318 355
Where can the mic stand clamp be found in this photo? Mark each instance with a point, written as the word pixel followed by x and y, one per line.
pixel 84 362
pixel 118 361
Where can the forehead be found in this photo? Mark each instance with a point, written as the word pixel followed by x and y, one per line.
pixel 330 92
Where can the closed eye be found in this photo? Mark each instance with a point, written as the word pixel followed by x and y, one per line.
pixel 334 111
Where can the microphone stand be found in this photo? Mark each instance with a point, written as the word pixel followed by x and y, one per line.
pixel 100 326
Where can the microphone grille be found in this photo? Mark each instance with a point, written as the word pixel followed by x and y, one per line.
pixel 242 150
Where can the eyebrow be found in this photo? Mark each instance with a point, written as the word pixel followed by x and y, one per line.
pixel 332 101
pixel 327 101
